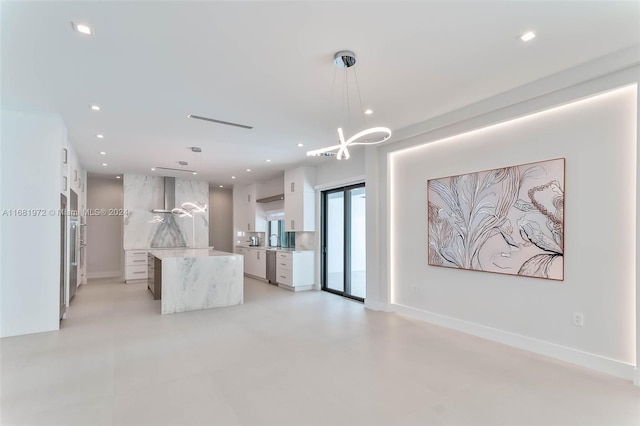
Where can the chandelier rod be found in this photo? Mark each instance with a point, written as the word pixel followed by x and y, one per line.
pixel 355 74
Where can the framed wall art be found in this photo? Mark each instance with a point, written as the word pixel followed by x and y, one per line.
pixel 507 221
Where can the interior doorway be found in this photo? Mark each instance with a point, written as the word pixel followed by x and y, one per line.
pixel 344 241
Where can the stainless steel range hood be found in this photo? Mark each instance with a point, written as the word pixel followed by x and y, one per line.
pixel 169 196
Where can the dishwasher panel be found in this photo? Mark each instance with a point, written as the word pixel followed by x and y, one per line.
pixel 271 266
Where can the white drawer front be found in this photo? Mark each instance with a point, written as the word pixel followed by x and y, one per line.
pixel 136 252
pixel 136 272
pixel 285 255
pixel 285 277
pixel 139 259
pixel 284 264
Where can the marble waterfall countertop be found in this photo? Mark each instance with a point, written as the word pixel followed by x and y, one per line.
pixel 194 279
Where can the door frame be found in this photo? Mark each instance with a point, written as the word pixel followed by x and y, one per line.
pixel 346 261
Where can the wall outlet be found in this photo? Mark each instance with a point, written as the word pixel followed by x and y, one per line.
pixel 578 319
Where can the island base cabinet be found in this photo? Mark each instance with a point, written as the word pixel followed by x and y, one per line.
pixel 154 277
pixel 199 279
pixel 295 270
pixel 135 265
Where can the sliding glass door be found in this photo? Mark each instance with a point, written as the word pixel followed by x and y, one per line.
pixel 344 241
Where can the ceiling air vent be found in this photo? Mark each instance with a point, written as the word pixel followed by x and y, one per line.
pixel 213 120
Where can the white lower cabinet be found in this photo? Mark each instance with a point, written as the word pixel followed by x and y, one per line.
pixel 258 263
pixel 255 261
pixel 135 265
pixel 295 270
pixel 245 254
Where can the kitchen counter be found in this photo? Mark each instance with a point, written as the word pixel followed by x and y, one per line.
pixel 194 252
pixel 169 248
pixel 291 250
pixel 194 279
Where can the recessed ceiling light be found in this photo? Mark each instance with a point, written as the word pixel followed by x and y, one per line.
pixel 300 144
pixel 248 170
pixel 104 164
pixel 528 36
pixel 233 177
pixel 117 177
pixel 268 161
pixel 103 153
pixel 82 28
pixel 221 186
pixel 195 173
pixel 368 112
pixel 99 136
pixel 94 107
pixel 153 169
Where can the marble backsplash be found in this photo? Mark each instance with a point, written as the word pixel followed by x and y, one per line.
pixel 305 240
pixel 144 229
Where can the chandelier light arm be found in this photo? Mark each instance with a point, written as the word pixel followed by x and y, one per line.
pixel 342 148
pixel 352 139
pixel 343 152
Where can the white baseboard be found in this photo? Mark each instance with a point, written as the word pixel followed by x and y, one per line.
pixel 298 288
pixel 264 280
pixel 374 305
pixel 563 353
pixel 108 274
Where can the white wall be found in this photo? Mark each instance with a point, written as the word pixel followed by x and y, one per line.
pixel 597 138
pixel 605 294
pixel 333 173
pixel 104 233
pixel 221 218
pixel 30 179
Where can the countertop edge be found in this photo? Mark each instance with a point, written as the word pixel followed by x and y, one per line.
pixel 284 250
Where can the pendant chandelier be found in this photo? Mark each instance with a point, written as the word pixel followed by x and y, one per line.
pixel 346 60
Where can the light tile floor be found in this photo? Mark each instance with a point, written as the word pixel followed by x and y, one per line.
pixel 285 358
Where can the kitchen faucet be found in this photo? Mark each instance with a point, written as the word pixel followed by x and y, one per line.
pixel 273 235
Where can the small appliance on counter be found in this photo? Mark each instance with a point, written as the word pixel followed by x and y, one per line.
pixel 254 241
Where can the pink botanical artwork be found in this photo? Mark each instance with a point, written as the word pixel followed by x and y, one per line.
pixel 507 221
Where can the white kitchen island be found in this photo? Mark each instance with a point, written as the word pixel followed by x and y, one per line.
pixel 194 279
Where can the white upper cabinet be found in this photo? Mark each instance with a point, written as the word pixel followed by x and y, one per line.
pixel 299 212
pixel 301 179
pixel 255 215
pixel 300 199
pixel 240 208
